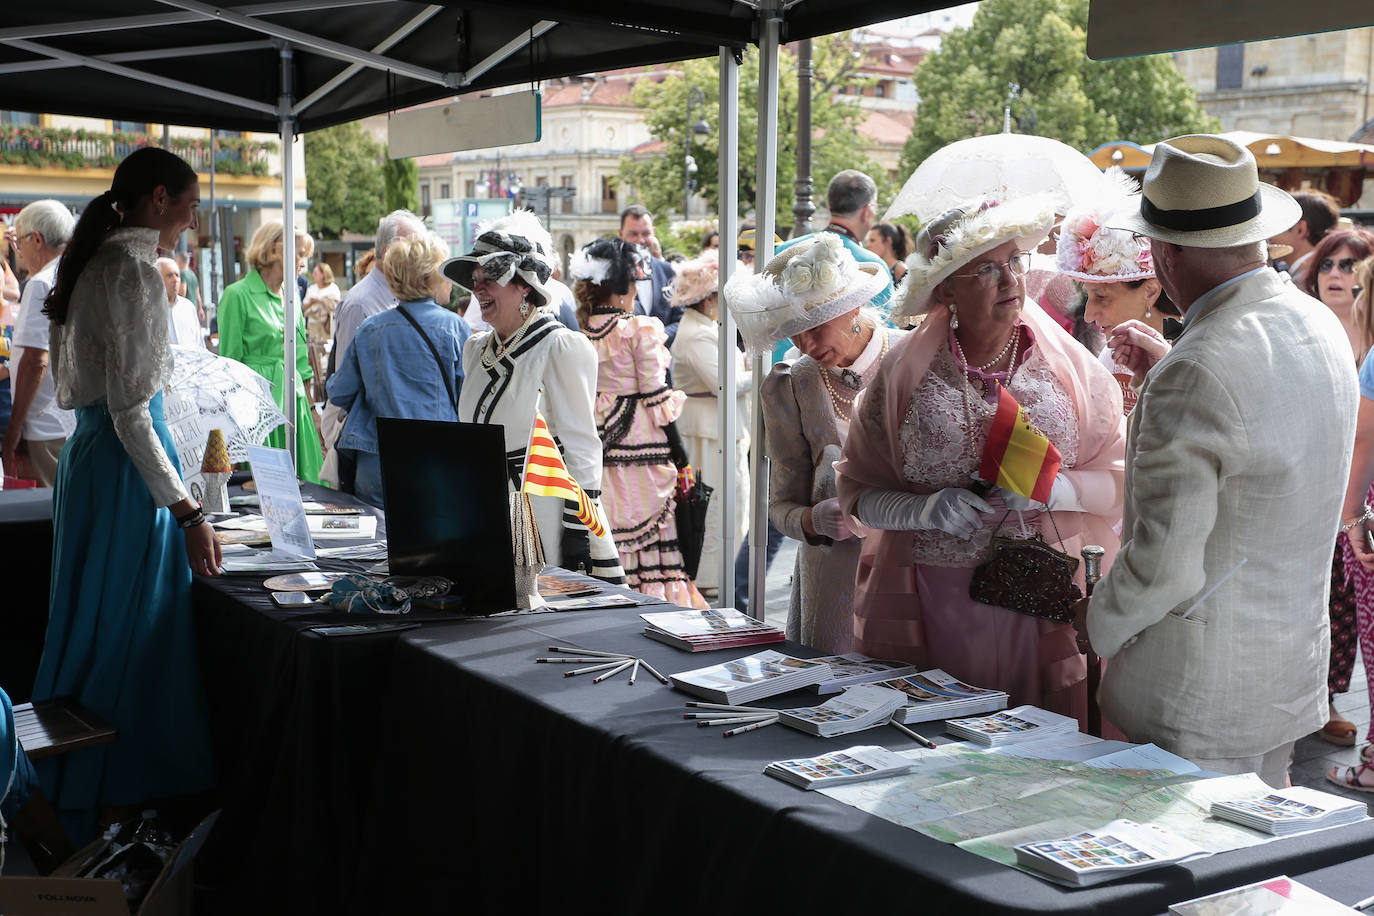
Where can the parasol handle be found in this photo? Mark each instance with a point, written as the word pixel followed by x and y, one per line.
pixel 1092 574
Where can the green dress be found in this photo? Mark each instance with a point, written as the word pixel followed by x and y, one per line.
pixel 250 331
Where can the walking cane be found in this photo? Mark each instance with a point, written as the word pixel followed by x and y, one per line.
pixel 1092 571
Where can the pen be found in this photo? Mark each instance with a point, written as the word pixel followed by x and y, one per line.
pixel 610 664
pixel 696 705
pixel 722 714
pixel 574 660
pixel 748 728
pixel 612 673
pixel 634 672
pixel 911 734
pixel 652 670
pixel 1364 904
pixel 707 723
pixel 589 652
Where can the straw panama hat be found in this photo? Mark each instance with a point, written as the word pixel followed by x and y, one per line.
pixel 957 236
pixel 800 288
pixel 1203 191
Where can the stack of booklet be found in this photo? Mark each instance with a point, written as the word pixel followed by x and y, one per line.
pixel 751 678
pixel 854 710
pixel 1291 810
pixel 933 695
pixel 1024 723
pixel 1281 896
pixel 713 628
pixel 853 668
pixel 854 764
pixel 1121 848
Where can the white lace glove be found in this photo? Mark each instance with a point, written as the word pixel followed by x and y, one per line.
pixel 1018 503
pixel 829 520
pixel 953 510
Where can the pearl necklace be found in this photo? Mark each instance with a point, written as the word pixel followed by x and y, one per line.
pixel 1014 344
pixel 844 405
pixel 1014 338
pixel 494 350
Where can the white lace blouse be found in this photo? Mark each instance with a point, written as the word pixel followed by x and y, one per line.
pixel 113 350
pixel 938 450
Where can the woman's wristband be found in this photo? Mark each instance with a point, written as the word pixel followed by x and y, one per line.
pixel 191 519
pixel 1368 514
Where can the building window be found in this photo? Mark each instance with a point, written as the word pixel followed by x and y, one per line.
pixel 566 204
pixel 424 199
pixel 880 90
pixel 607 194
pixel 445 190
pixel 129 127
pixel 1230 66
pixel 19 117
pixel 470 188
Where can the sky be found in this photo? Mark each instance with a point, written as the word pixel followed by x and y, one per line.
pixel 911 26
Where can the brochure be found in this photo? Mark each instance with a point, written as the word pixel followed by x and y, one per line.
pixel 933 695
pixel 751 678
pixel 1281 896
pixel 855 764
pixel 854 710
pixel 280 496
pixel 1120 848
pixel 1024 723
pixel 1292 810
pixel 853 668
pixel 706 630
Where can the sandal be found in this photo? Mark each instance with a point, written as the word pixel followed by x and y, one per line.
pixel 1367 753
pixel 1349 777
pixel 1338 731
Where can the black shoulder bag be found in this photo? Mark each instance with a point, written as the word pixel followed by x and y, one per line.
pixel 438 360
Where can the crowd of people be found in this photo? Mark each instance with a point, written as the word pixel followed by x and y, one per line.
pixel 1207 425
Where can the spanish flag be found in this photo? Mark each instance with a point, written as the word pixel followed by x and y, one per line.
pixel 1017 456
pixel 547 475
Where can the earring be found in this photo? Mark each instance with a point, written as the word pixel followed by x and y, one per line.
pixel 524 308
pixel 856 327
pixel 953 317
pixel 1148 313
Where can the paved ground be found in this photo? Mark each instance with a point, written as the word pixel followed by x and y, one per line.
pixel 1311 758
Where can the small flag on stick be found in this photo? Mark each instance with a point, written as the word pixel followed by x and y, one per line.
pixel 547 475
pixel 1018 457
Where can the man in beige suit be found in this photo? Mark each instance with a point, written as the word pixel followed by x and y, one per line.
pixel 1214 613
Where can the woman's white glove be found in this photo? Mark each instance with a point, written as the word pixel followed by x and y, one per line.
pixel 1063 496
pixel 1018 503
pixel 829 520
pixel 953 510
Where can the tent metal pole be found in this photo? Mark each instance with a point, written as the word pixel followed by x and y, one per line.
pixel 728 227
pixel 288 253
pixel 386 44
pixel 766 180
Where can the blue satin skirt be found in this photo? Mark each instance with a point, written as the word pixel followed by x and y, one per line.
pixel 121 638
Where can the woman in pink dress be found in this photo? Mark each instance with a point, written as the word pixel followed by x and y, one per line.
pixel 635 413
pixel 916 448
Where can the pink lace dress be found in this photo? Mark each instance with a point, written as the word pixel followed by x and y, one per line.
pixel 638 479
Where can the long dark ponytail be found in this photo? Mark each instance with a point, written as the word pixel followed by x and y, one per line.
pixel 138 175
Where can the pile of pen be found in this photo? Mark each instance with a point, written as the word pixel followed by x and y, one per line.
pixel 608 663
pixel 747 718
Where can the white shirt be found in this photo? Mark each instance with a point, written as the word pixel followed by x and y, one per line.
pixel 113 350
pixel 45 421
pixel 183 324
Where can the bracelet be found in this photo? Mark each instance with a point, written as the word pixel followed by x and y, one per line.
pixel 191 519
pixel 1368 514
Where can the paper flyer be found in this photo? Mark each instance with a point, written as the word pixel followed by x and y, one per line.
pixel 280 500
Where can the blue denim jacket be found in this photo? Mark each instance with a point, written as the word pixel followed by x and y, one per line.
pixel 389 371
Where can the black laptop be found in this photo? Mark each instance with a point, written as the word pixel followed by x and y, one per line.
pixel 448 509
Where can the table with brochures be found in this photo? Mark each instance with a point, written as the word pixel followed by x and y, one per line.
pixel 511 787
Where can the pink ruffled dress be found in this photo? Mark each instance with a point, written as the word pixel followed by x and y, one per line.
pixel 633 404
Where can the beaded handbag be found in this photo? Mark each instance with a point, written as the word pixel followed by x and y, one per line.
pixel 1029 576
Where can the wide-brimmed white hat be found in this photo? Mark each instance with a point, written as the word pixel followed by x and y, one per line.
pixel 1203 191
pixel 1091 251
pixel 803 286
pixel 514 245
pixel 957 236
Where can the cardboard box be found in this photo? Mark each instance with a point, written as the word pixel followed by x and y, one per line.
pixel 60 894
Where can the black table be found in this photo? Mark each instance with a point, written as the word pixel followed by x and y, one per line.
pixel 502 786
pixel 26 536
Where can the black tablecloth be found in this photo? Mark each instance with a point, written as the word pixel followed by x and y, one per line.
pixel 503 786
pixel 26 539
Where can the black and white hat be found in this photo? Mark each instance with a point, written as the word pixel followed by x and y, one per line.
pixel 509 247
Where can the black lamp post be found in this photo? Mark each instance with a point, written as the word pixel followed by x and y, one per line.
pixel 695 99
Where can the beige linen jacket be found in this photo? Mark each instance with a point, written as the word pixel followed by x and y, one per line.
pixel 1239 447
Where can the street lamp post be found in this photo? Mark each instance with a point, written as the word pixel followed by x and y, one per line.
pixel 695 99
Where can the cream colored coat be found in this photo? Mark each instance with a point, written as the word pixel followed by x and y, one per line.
pixel 1238 448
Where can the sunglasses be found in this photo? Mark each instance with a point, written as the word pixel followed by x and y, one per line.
pixel 1347 265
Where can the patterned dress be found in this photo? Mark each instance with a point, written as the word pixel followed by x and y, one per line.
pixel 633 404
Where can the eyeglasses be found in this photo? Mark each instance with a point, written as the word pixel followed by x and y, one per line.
pixel 16 239
pixel 1347 265
pixel 990 274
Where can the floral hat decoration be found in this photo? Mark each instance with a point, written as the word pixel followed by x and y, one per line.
pixel 1092 252
pixel 805 285
pixel 514 245
pixel 955 237
pixel 696 279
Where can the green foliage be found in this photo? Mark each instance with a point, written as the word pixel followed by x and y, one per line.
pixel 76 148
pixel 1040 46
pixel 344 169
pixel 658 180
pixel 402 180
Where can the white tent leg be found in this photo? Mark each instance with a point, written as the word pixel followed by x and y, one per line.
pixel 728 227
pixel 288 255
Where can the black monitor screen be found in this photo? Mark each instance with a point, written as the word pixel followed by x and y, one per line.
pixel 448 509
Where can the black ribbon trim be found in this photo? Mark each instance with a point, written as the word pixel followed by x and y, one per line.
pixel 1206 218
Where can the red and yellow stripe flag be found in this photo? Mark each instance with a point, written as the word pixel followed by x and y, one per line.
pixel 1018 457
pixel 547 475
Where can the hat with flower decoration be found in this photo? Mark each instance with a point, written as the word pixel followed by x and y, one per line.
pixel 804 286
pixel 1090 251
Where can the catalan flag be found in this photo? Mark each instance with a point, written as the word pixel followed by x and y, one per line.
pixel 1017 456
pixel 547 475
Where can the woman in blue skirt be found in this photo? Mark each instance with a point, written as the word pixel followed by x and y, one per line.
pixel 127 537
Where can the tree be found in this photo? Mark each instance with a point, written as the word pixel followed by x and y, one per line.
pixel 659 181
pixel 343 165
pixel 1040 47
pixel 402 179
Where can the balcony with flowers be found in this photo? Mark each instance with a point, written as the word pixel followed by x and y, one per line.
pixel 77 149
